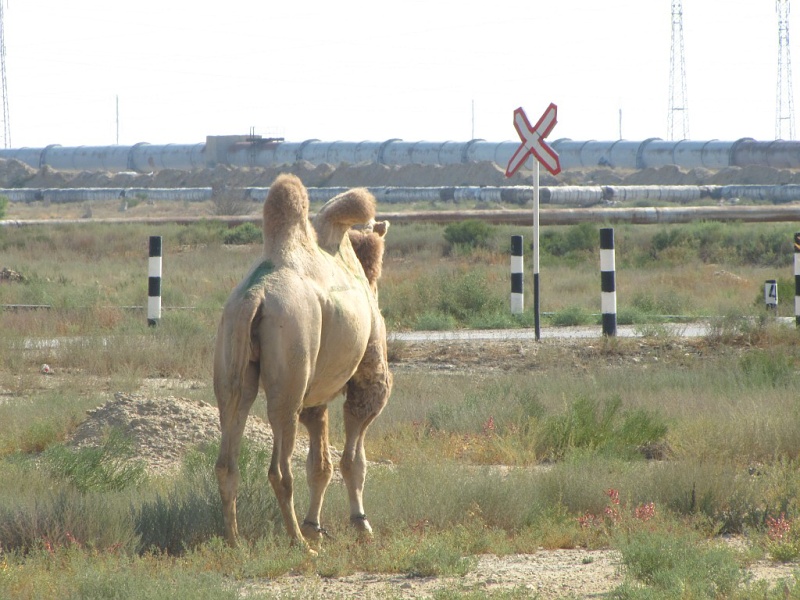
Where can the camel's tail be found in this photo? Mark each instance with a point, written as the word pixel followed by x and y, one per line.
pixel 239 352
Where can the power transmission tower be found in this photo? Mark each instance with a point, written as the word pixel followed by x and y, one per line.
pixel 6 120
pixel 784 103
pixel 678 115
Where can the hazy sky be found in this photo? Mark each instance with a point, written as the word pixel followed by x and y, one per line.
pixel 376 69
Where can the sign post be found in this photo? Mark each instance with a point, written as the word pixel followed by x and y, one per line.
pixel 533 144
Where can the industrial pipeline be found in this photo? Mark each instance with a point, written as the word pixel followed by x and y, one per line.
pixel 255 151
pixel 564 195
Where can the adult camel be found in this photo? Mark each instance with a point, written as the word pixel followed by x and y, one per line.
pixel 304 323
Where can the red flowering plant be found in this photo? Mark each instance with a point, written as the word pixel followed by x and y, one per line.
pixel 782 538
pixel 616 517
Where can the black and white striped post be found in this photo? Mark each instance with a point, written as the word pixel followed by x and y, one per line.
pixel 608 285
pixel 517 293
pixel 797 279
pixel 154 282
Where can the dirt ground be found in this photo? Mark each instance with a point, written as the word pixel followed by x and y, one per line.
pixel 164 426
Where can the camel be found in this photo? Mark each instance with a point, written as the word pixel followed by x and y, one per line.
pixel 304 323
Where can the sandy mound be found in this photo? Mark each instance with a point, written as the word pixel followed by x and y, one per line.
pixel 164 429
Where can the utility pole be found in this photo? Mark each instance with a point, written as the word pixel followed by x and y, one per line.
pixel 678 114
pixel 784 103
pixel 3 81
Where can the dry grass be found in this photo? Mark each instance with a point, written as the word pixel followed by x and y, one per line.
pixel 728 458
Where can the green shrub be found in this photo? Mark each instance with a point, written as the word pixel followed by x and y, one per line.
pixel 202 233
pixel 712 242
pixel 766 368
pixel 597 426
pixel 34 508
pixel 580 239
pixel 3 206
pixel 110 467
pixel 435 321
pixel 246 233
pixel 674 565
pixel 471 233
pixel 190 513
pixel 469 293
pixel 571 316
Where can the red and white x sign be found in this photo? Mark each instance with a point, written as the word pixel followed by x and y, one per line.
pixel 533 141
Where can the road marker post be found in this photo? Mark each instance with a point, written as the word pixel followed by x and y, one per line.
pixel 517 292
pixel 608 282
pixel 154 282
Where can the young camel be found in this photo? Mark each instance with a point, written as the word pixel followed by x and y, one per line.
pixel 304 323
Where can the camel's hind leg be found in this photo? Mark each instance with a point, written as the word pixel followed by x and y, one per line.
pixel 367 393
pixel 318 468
pixel 233 417
pixel 283 421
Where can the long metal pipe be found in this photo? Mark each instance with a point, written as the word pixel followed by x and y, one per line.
pixel 548 216
pixel 562 195
pixel 241 151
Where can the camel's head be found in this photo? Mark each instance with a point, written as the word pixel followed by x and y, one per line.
pixel 339 214
pixel 368 245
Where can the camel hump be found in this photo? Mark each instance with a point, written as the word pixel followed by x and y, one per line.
pixel 286 207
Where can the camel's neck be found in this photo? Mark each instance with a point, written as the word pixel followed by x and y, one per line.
pixel 330 236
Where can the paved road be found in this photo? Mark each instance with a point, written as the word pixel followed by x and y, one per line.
pixel 687 330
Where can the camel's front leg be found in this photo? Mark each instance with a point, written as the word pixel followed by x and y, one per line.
pixel 367 393
pixel 318 468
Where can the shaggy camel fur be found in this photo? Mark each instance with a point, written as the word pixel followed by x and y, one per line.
pixel 305 324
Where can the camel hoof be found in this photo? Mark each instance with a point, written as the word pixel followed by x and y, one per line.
pixel 313 533
pixel 306 546
pixel 362 525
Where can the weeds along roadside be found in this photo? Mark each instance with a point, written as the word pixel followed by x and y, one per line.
pixel 720 411
pixel 434 277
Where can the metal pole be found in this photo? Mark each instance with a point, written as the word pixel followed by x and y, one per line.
pixel 797 279
pixel 536 324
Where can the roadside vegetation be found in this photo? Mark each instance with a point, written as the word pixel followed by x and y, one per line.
pixel 654 446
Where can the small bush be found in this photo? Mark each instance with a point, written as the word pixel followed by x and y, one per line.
pixel 435 321
pixel 190 513
pixel 202 233
pixel 464 295
pixel 3 206
pixel 766 368
pixel 110 467
pixel 601 427
pixel 246 233
pixel 669 565
pixel 229 201
pixel 576 239
pixel 471 233
pixel 571 316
